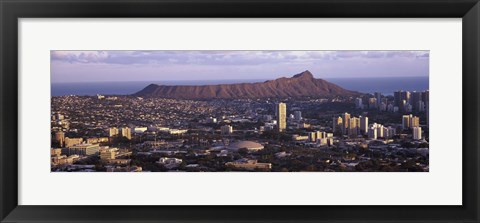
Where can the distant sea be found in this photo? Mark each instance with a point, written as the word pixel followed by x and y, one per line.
pixel 385 85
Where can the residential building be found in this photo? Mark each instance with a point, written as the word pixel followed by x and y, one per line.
pixel 84 149
pixel 60 138
pixel 112 132
pixel 126 132
pixel 72 141
pixel 346 122
pixel 417 133
pixel 337 124
pixel 226 130
pixel 363 125
pixel 281 117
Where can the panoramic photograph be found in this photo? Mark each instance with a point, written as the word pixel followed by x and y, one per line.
pixel 239 111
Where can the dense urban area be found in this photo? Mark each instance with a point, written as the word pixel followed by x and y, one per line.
pixel 371 132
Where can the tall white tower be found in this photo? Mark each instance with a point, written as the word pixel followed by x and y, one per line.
pixel 281 116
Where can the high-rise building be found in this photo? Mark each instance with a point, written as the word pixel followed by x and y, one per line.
pixel 60 138
pixel 406 96
pixel 372 133
pixel 112 132
pixel 378 97
pixel 385 132
pixel 358 103
pixel 414 122
pixel 390 132
pixel 376 131
pixel 312 136
pixel 420 106
pixel 410 121
pixel 281 117
pixel 126 132
pixel 402 99
pixel 337 124
pixel 226 130
pixel 403 106
pixel 417 133
pixel 426 111
pixel 363 125
pixel 397 96
pixel 353 126
pixel 425 96
pixel 372 103
pixel 297 115
pixel 426 100
pixel 406 121
pixel 408 108
pixel 321 135
pixel 416 99
pixel 346 122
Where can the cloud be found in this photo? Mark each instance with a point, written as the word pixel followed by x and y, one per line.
pixel 71 66
pixel 79 56
pixel 224 57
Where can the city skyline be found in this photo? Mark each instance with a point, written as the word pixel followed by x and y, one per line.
pixel 105 66
pixel 274 137
pixel 296 120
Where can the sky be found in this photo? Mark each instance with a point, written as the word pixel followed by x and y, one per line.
pixel 107 66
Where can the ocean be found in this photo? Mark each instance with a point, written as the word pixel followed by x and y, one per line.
pixel 385 85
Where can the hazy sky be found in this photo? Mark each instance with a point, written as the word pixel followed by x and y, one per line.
pixel 93 66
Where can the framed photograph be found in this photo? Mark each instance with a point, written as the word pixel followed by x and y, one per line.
pixel 229 111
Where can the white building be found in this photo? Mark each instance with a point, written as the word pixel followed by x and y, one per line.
pixel 376 131
pixel 249 145
pixel 281 111
pixel 169 162
pixel 177 131
pixel 226 130
pixel 312 136
pixel 417 133
pixel 321 135
pixel 140 129
pixel 112 132
pixel 126 132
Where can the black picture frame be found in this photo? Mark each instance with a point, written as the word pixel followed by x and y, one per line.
pixel 12 10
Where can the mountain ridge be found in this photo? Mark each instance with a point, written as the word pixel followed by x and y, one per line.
pixel 303 84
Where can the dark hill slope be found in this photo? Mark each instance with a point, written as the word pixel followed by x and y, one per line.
pixel 300 85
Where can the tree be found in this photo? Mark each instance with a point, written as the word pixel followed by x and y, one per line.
pixel 243 151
